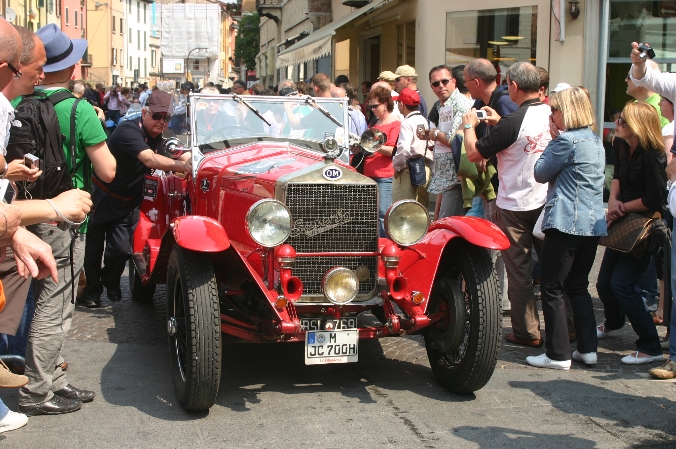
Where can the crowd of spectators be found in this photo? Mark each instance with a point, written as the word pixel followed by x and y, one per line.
pixel 532 164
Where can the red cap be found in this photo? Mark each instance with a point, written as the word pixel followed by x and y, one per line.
pixel 409 97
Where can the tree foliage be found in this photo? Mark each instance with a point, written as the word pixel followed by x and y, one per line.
pixel 247 43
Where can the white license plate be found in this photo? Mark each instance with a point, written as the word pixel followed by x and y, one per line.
pixel 328 324
pixel 341 346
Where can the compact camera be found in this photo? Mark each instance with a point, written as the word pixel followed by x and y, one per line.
pixel 420 131
pixel 646 51
pixel 32 161
pixel 481 115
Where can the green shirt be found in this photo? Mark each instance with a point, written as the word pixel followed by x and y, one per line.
pixel 654 101
pixel 88 130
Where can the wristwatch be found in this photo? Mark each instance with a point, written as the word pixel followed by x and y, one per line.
pixel 468 126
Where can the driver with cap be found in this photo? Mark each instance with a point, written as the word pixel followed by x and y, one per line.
pixel 135 145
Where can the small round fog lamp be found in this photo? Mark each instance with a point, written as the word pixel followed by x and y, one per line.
pixel 340 285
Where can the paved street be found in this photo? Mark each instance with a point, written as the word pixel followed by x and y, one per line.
pixel 268 398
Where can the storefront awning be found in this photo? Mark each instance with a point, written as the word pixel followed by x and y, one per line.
pixel 318 44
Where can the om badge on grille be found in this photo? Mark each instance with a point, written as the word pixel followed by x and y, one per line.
pixel 332 173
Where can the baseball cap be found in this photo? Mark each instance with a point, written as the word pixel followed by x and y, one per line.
pixel 386 76
pixel 405 70
pixel 561 86
pixel 160 101
pixel 409 97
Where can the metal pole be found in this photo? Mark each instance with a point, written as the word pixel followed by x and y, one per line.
pixel 604 32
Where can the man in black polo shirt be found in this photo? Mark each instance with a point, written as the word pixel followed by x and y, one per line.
pixel 517 140
pixel 134 143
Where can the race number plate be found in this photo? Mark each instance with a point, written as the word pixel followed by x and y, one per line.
pixel 328 324
pixel 331 347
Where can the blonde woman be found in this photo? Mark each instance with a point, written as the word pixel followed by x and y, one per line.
pixel 639 185
pixel 573 164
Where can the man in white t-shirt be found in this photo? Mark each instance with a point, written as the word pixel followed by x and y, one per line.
pixel 517 140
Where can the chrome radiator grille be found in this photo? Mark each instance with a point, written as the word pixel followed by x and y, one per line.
pixel 333 218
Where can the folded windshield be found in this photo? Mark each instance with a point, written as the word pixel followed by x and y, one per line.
pixel 220 118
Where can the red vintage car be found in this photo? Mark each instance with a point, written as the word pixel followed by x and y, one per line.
pixel 274 238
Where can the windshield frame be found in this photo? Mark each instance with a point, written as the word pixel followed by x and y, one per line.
pixel 253 100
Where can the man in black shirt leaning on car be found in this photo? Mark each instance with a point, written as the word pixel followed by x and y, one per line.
pixel 135 144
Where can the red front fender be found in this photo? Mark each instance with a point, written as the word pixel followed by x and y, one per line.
pixel 198 233
pixel 475 230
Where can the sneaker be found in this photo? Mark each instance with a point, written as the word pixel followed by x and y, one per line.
pixel 12 421
pixel 92 303
pixel 588 358
pixel 634 359
pixel 601 331
pixel 666 371
pixel 10 380
pixel 542 361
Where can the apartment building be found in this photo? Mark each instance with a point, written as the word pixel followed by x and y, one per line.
pixel 138 19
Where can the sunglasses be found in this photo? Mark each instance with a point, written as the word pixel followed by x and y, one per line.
pixel 443 81
pixel 621 122
pixel 157 116
pixel 374 106
pixel 17 72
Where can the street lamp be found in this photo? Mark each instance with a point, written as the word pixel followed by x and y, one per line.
pixel 187 60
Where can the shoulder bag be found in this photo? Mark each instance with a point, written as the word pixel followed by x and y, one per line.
pixel 628 234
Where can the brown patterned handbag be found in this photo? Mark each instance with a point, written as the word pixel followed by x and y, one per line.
pixel 626 234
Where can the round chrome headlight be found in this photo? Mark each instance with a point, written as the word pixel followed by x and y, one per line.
pixel 340 285
pixel 406 222
pixel 269 223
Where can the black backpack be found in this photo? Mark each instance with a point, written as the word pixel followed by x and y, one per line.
pixel 35 130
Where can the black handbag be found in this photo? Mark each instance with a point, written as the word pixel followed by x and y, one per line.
pixel 416 168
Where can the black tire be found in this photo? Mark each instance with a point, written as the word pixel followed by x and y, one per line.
pixel 139 292
pixel 195 347
pixel 468 367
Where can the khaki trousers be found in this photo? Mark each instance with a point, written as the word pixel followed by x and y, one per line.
pixel 52 319
pixel 402 189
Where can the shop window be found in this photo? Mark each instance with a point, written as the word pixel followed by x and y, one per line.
pixel 636 21
pixel 406 43
pixel 342 58
pixel 504 36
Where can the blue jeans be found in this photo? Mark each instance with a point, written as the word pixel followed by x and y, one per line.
pixel 616 286
pixel 477 209
pixel 16 344
pixel 384 202
pixel 3 410
pixel 647 286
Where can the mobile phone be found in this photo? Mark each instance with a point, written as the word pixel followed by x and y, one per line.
pixel 7 191
pixel 481 115
pixel 32 161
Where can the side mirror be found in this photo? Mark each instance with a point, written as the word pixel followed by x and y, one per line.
pixel 371 141
pixel 173 148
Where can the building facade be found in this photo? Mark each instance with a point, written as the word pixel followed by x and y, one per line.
pixel 106 41
pixel 138 18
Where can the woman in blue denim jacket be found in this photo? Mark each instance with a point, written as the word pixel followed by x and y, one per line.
pixel 573 164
